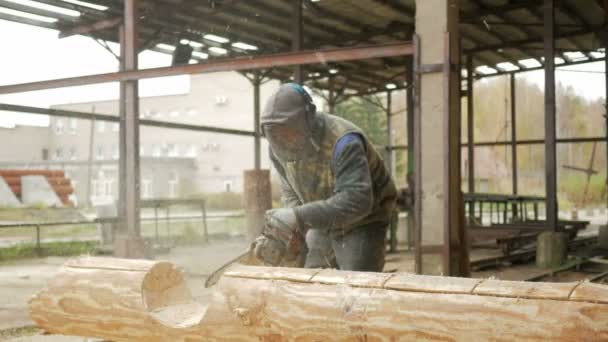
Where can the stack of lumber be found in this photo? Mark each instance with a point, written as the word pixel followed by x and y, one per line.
pixel 56 178
pixel 138 300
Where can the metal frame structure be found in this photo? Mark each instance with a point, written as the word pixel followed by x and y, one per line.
pixel 485 28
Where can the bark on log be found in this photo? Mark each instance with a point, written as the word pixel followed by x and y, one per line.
pixel 131 300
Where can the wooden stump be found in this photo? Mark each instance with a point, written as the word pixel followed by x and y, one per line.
pixel 132 300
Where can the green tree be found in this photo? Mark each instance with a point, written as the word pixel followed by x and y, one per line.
pixel 369 117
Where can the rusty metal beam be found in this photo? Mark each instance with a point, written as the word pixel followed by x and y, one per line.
pixel 550 147
pixel 296 38
pixel 514 176
pixel 257 145
pixel 470 129
pixel 91 27
pixel 228 64
pixel 129 131
pixel 116 118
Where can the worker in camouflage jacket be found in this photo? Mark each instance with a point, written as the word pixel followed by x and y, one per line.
pixel 337 194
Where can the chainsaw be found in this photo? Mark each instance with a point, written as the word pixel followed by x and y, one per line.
pixel 274 255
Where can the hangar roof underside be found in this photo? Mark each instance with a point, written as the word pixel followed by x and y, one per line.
pixel 502 36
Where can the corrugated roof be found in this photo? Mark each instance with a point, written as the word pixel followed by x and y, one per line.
pixel 493 31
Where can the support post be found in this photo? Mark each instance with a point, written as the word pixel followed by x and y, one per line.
pixel 331 100
pixel 129 243
pixel 256 121
pixel 470 134
pixel 513 134
pixel 444 245
pixel 606 107
pixel 514 175
pixel 550 147
pixel 389 126
pixel 409 107
pixel 296 41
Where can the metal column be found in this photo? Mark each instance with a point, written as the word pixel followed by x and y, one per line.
pixel 256 121
pixel 389 126
pixel 130 244
pixel 550 147
pixel 606 102
pixel 513 135
pixel 331 100
pixel 470 134
pixel 296 42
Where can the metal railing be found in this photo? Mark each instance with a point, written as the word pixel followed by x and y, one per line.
pixel 155 204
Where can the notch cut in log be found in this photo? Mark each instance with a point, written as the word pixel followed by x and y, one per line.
pixel 133 300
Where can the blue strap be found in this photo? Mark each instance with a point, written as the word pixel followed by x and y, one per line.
pixel 342 142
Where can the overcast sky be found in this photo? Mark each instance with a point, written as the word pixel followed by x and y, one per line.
pixel 32 54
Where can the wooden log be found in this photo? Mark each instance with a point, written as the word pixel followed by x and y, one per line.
pixel 131 300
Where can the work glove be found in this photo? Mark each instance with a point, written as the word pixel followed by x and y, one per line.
pixel 280 239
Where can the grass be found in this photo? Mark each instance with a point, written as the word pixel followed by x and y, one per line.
pixel 29 330
pixel 58 248
pixel 179 232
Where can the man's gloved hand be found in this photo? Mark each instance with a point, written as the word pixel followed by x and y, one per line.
pixel 280 238
pixel 269 250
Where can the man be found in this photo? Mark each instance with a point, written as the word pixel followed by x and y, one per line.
pixel 337 194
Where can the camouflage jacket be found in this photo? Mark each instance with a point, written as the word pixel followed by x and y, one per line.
pixel 339 192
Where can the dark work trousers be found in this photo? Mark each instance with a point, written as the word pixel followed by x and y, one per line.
pixel 361 249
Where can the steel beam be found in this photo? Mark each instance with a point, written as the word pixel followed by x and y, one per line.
pixel 91 27
pixel 513 134
pixel 470 133
pixel 257 149
pixel 417 147
pixel 129 127
pixel 296 39
pixel 389 127
pixel 550 145
pixel 331 99
pixel 228 64
pixel 115 118
pixel 606 96
pixel 470 127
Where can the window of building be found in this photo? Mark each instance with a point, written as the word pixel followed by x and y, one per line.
pixel 59 125
pixel 99 152
pixel 228 185
pixel 101 126
pixel 72 153
pixel 156 150
pixel 45 154
pixel 221 100
pixel 102 187
pixel 146 188
pixel 142 150
pixel 172 150
pixel 58 153
pixel 191 151
pixel 73 126
pixel 115 126
pixel 115 152
pixel 173 183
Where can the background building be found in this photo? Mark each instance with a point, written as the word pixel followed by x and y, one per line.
pixel 174 163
